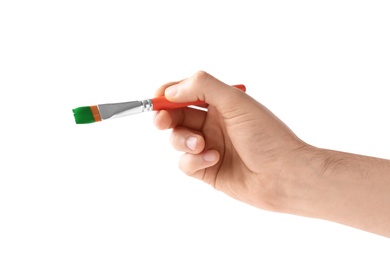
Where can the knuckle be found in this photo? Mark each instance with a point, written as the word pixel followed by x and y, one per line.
pixel 198 81
pixel 201 76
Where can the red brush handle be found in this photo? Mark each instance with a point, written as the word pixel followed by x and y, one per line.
pixel 160 103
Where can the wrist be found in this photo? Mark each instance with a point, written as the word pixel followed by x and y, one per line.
pixel 305 182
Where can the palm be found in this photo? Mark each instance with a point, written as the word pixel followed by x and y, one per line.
pixel 221 176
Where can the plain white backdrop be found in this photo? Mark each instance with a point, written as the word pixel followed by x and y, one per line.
pixel 112 190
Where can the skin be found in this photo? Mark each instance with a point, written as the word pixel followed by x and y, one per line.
pixel 241 148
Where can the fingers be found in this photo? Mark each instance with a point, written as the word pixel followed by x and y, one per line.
pixel 160 91
pixel 162 120
pixel 203 86
pixel 187 117
pixel 185 140
pixel 195 164
pixel 196 159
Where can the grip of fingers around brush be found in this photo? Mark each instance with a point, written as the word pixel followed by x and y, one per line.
pixel 160 103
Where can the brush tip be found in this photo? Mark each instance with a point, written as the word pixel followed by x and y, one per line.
pixel 83 115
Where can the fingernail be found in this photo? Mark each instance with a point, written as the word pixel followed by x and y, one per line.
pixel 191 142
pixel 171 91
pixel 209 156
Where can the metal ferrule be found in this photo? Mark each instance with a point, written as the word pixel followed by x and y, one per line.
pixel 115 110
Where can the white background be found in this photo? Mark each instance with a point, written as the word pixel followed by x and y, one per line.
pixel 112 190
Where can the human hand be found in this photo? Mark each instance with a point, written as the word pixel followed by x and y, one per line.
pixel 238 146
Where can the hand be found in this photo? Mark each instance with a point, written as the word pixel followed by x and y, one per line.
pixel 237 146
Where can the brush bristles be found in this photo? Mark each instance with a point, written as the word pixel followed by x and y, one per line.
pixel 83 115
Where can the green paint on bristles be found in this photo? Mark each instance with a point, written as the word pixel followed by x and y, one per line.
pixel 83 115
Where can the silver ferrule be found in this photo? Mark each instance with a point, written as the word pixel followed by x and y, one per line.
pixel 115 110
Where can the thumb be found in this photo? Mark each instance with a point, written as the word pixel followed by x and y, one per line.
pixel 202 86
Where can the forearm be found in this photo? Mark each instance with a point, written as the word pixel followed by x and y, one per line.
pixel 350 189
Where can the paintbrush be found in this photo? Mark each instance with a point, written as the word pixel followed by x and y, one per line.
pixel 97 113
